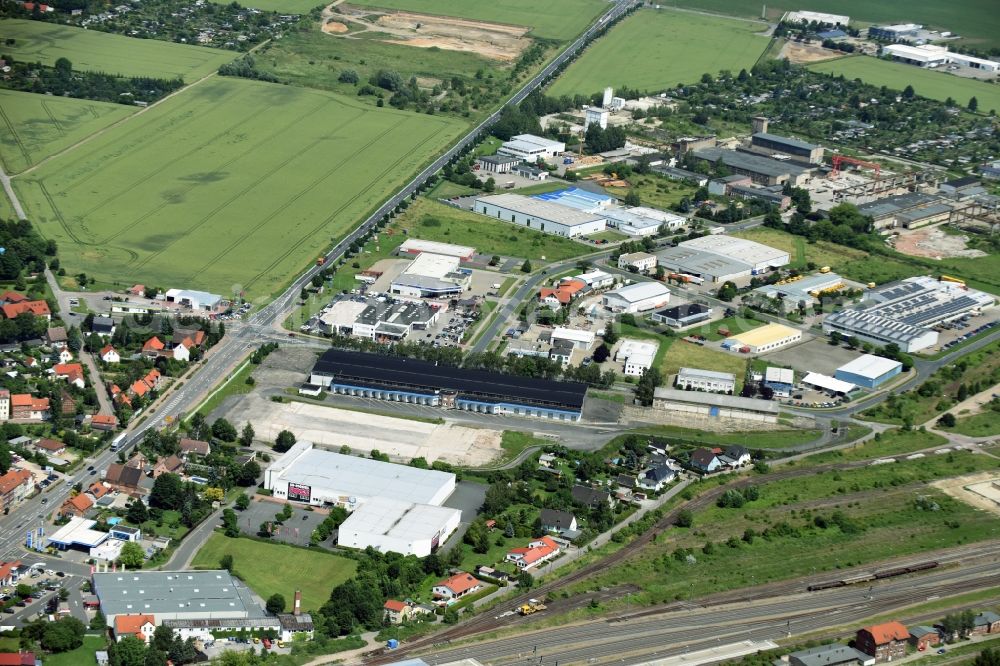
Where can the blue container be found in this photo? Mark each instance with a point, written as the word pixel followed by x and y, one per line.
pixel 392 644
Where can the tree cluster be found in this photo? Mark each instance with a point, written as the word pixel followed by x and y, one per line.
pixel 61 80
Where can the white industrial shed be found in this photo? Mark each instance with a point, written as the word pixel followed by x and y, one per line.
pixel 175 595
pixel 388 524
pixel 637 297
pixel 319 477
pixel 706 265
pixel 529 147
pixel 417 246
pixel 541 215
pixel 760 257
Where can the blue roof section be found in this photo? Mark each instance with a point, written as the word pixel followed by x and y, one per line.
pixel 831 34
pixel 574 197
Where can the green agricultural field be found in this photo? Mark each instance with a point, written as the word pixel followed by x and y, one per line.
pixel 270 568
pixel 686 355
pixel 976 20
pixel 653 50
pixel 37 41
pixel 316 60
pixel 925 82
pixel 554 19
pixel 32 127
pixel 233 185
pixel 434 221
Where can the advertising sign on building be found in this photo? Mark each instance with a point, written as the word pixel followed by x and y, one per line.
pixel 299 492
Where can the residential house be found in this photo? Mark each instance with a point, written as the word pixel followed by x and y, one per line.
pixel 150 382
pixel 396 612
pixel 20 658
pixel 137 290
pixel 655 478
pixel 15 485
pixel 110 355
pixel 118 396
pixel 26 407
pixel 535 553
pixel 56 336
pixel 456 586
pixel 490 572
pixel 141 626
pixel 735 456
pixel 590 497
pixel 558 521
pixel 922 637
pixel 104 422
pixel 181 351
pixel 49 447
pixel 194 446
pixel 562 294
pixel 30 362
pixel 97 490
pixel 76 506
pixel 885 642
pixel 626 481
pixel 103 326
pixel 153 347
pixel 168 465
pixel 704 460
pixel 64 355
pixel 642 262
pixel 986 622
pixel 124 478
pixel 194 337
pixel 37 308
pixel 71 372
pixel 12 297
pixel 68 408
pixel 10 572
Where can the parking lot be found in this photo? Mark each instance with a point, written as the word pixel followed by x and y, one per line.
pixel 296 530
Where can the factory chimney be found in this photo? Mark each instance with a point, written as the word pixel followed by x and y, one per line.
pixel 297 603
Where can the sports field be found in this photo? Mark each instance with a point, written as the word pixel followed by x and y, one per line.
pixel 270 568
pixel 232 185
pixel 977 21
pixel 32 127
pixel 657 49
pixel 553 19
pixel 36 41
pixel 926 83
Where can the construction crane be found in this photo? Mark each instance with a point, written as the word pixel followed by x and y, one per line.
pixel 844 159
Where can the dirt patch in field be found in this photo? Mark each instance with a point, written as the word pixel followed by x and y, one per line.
pixel 491 40
pixel 334 27
pixel 803 54
pixel 935 244
pixel 975 490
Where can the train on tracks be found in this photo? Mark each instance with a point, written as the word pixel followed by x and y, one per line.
pixel 875 575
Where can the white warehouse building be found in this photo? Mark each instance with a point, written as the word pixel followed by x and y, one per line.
pixel 760 257
pixel 637 297
pixel 388 524
pixel 324 478
pixel 540 215
pixel 529 147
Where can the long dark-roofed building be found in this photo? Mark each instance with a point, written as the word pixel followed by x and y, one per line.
pixel 422 382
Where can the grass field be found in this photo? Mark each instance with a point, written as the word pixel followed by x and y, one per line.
pixel 234 185
pixel 435 221
pixel 800 250
pixel 653 50
pixel 736 325
pixel 82 655
pixel 32 127
pixel 685 355
pixel 890 444
pixel 554 19
pixel 272 567
pixel 655 191
pixel 925 82
pixel 764 439
pixel 984 424
pixel 976 20
pixel 37 41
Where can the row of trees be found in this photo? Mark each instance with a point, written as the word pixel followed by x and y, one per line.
pixel 62 80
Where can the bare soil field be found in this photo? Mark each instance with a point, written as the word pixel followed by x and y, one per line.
pixel 976 490
pixel 933 243
pixel 804 54
pixel 495 41
pixel 401 439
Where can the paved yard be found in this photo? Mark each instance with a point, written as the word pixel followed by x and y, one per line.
pixel 814 356
pixel 295 530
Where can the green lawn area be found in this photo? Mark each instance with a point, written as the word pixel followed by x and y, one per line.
pixel 232 186
pixel 800 250
pixel 554 19
pixel 445 189
pixel 976 20
pixel 657 49
pixel 431 220
pixel 82 655
pixel 655 191
pixel 541 188
pixel 984 424
pixel 772 439
pixel 926 83
pixel 889 444
pixel 32 127
pixel 882 518
pixel 272 567
pixel 736 325
pixel 685 355
pixel 40 41
pixel 514 442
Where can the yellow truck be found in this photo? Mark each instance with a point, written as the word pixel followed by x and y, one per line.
pixel 533 606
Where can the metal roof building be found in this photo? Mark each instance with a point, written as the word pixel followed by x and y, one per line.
pixel 637 297
pixel 174 595
pixel 868 370
pixel 422 382
pixel 317 477
pixel 388 524
pixel 708 265
pixel 545 216
pixel 578 198
pixel 715 405
pixel 77 532
pixel 765 338
pixel 802 290
pixel 762 170
pixel 416 246
pixel 761 257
